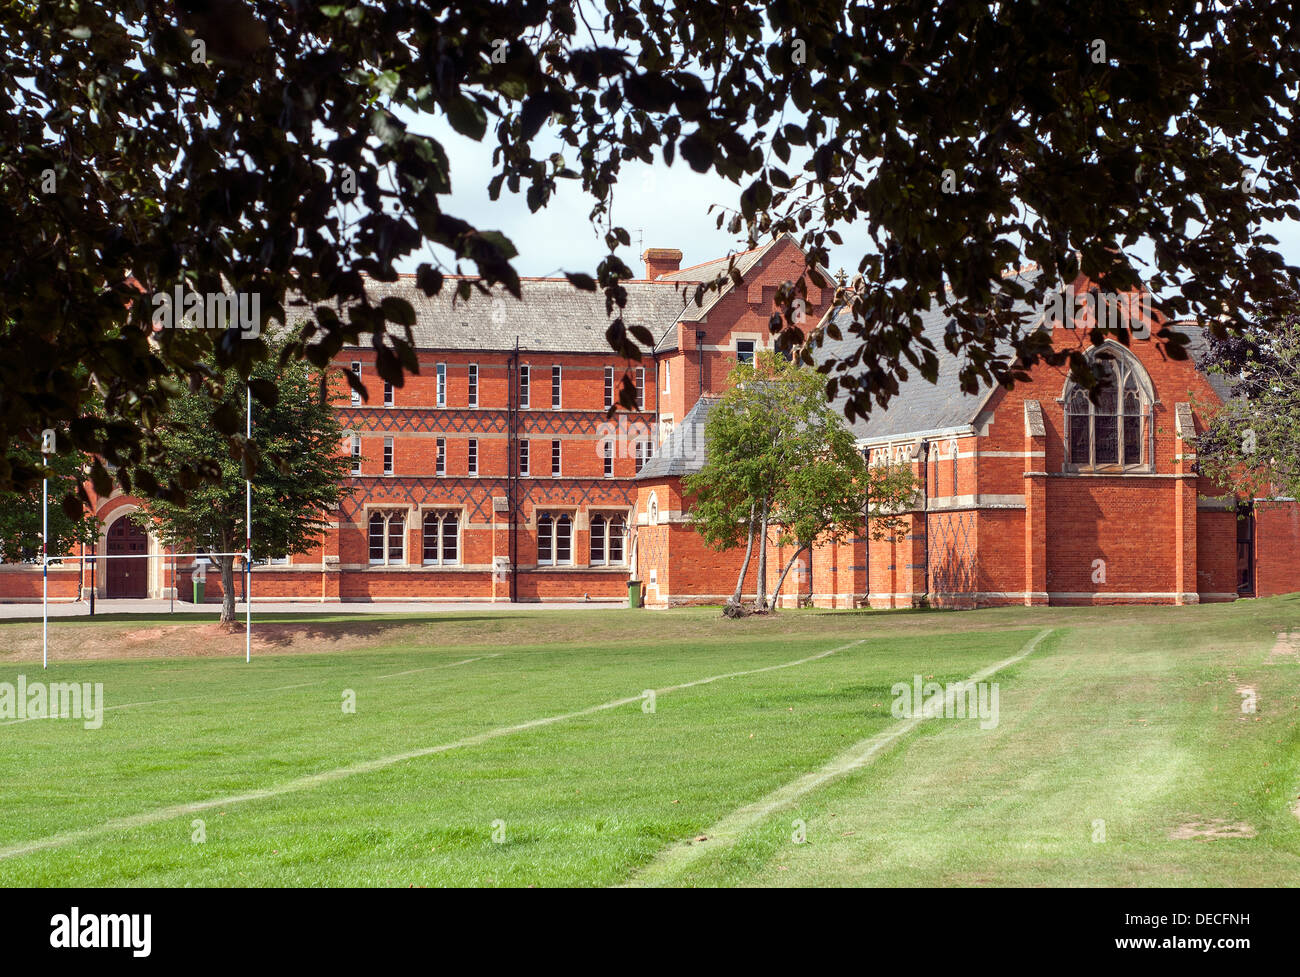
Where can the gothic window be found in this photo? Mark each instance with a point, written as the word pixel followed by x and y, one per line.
pixel 441 538
pixel 1112 431
pixel 554 539
pixel 607 538
pixel 387 538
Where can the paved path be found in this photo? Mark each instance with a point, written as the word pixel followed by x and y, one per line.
pixel 82 608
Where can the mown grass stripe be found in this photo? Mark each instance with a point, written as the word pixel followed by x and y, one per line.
pixel 311 781
pixel 675 860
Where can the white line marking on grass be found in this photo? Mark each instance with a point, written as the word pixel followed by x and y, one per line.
pixel 367 766
pixel 674 860
pixel 430 668
pixel 231 695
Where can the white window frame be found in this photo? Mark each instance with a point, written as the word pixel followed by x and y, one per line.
pixel 473 385
pixel 609 387
pixel 387 515
pixel 440 554
pixel 471 454
pixel 441 394
pixel 608 445
pixel 523 458
pixel 388 394
pixel 603 559
pixel 753 351
pixel 640 388
pixel 356 454
pixel 390 455
pixel 557 456
pixel 553 537
pixel 557 387
pixel 356 372
pixel 525 386
pixel 440 457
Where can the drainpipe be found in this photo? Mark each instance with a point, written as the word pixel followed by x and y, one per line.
pixel 654 435
pixel 925 508
pixel 866 534
pixel 512 467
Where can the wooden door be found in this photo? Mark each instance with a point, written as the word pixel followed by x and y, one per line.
pixel 127 577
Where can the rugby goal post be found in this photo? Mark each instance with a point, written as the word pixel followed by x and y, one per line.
pixel 48 448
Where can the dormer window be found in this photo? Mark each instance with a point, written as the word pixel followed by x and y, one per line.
pixel 1114 433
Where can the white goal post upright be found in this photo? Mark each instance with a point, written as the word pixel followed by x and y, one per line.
pixel 45 562
pixel 248 528
pixel 47 448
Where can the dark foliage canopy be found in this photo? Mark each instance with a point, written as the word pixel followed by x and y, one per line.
pixel 260 146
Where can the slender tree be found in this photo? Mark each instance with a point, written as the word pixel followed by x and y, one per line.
pixel 781 465
pixel 299 480
pixel 746 444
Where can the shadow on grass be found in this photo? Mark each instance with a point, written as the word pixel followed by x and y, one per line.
pixel 273 630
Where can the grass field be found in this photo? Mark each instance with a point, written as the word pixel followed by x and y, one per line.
pixel 519 749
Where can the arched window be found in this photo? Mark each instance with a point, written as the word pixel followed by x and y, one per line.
pixel 545 539
pixel 387 537
pixel 607 537
pixel 554 539
pixel 952 452
pixel 451 537
pixel 564 539
pixel 397 538
pixel 1112 433
pixel 617 534
pixel 441 538
pixel 378 531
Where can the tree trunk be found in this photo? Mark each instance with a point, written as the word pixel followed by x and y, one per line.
pixel 744 567
pixel 776 594
pixel 227 589
pixel 760 584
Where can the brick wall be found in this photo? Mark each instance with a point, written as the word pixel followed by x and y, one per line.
pixel 1277 548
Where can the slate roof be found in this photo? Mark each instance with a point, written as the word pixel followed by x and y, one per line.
pixel 552 317
pixel 1198 347
pixel 921 406
pixel 683 452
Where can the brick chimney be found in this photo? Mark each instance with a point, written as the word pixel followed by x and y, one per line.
pixel 661 261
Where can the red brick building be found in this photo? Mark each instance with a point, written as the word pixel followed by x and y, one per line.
pixel 1030 496
pixel 497 474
